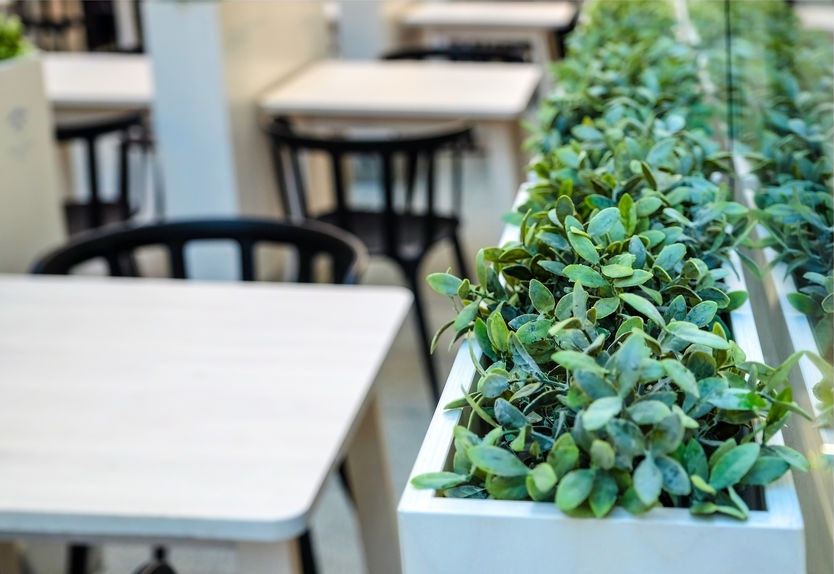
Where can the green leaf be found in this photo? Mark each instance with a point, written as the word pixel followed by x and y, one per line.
pixel 682 376
pixel 643 306
pixel 506 487
pixel 498 332
pixel 576 361
pixel 541 297
pixel 670 255
pixel 648 175
pixel 564 455
pixel 647 205
pixel 604 494
pixel 444 283
pixel 637 278
pixel 702 484
pixel 675 479
pixel 695 459
pixel 626 436
pixel 603 221
pixel 606 306
pixel 585 275
pixel 583 247
pixel 648 480
pixel 509 416
pixel 765 470
pixel 574 488
pixel 438 480
pixel 790 456
pixel 702 313
pixel 543 477
pixel 617 271
pixel 733 465
pixel 737 299
pixel 494 385
pixel 600 412
pixel 691 333
pixel 648 412
pixel 466 316
pixel 805 304
pixel 602 455
pixel 496 460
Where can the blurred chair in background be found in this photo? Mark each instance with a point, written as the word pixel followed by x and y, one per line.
pixel 404 229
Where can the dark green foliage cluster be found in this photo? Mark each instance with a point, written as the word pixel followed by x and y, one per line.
pixel 609 374
pixel 12 41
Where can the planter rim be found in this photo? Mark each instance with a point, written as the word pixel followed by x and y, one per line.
pixel 28 56
pixel 782 512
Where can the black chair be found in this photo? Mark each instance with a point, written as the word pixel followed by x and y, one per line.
pixel 132 131
pixel 508 53
pixel 157 565
pixel 400 231
pixel 117 244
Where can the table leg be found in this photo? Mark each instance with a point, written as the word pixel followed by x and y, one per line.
pixel 505 161
pixel 370 482
pixel 9 559
pixel 268 558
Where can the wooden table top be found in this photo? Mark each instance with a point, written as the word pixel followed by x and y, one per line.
pixel 97 81
pixel 409 90
pixel 497 15
pixel 173 409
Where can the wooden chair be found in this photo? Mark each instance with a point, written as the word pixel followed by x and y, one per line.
pixel 404 230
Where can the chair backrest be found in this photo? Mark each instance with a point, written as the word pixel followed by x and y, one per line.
pixel 418 151
pixel 508 53
pixel 116 245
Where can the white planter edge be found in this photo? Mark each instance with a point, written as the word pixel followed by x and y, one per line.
pixel 447 535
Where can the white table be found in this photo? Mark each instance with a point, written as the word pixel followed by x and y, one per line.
pixel 161 410
pixel 84 81
pixel 493 96
pixel 533 22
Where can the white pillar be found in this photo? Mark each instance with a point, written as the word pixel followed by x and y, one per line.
pixel 369 28
pixel 211 61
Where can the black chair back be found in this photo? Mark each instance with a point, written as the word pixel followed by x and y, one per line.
pixel 507 53
pixel 418 151
pixel 117 244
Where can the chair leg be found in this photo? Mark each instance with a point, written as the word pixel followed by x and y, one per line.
pixel 78 559
pixel 308 559
pixel 345 478
pixel 423 332
pixel 461 260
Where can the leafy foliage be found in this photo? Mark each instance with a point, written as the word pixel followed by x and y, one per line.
pixel 12 41
pixel 609 375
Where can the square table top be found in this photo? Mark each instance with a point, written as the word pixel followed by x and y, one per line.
pixel 496 15
pixel 405 89
pixel 178 409
pixel 98 81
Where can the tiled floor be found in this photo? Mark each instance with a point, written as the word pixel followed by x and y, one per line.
pixel 405 406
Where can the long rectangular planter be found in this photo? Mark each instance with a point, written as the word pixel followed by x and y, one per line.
pixel 464 535
pixel 788 331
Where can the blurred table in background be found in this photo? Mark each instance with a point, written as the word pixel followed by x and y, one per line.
pixel 161 411
pixel 494 97
pixel 537 23
pixel 98 81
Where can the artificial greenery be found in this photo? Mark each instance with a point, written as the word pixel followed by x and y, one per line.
pixel 12 41
pixel 784 120
pixel 609 375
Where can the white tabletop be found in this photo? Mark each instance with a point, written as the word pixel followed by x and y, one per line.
pixel 498 15
pixel 99 81
pixel 156 408
pixel 398 89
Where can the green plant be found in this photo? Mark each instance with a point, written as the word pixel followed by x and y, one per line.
pixel 12 41
pixel 609 375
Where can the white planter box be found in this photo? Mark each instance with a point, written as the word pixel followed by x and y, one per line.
pixel 30 206
pixel 464 535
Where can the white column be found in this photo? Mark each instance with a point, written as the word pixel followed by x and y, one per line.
pixel 368 28
pixel 211 61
